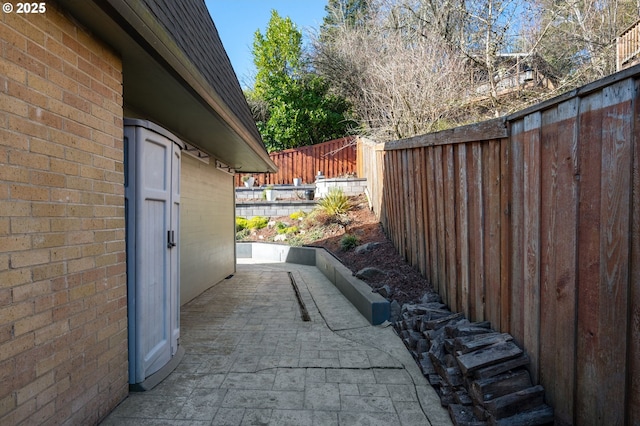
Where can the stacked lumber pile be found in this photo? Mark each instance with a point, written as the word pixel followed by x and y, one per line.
pixel 481 375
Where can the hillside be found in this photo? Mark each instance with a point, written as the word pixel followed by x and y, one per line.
pixel 404 283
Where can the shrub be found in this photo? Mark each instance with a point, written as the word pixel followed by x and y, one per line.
pixel 348 241
pixel 335 202
pixel 299 215
pixel 241 223
pixel 317 217
pixel 257 222
pixel 241 235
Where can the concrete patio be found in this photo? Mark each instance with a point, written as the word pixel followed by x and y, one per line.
pixel 251 359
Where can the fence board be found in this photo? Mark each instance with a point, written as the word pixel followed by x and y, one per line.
pixel 425 215
pixel 549 141
pixel 476 232
pixel 587 409
pixel 532 124
pixel 417 173
pixel 450 228
pixel 334 158
pixel 491 192
pixel 439 222
pixel 432 219
pixel 517 234
pixel 463 226
pixel 562 351
pixel 633 387
pixel 614 247
pixel 506 246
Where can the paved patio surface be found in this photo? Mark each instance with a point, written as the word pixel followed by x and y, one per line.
pixel 251 360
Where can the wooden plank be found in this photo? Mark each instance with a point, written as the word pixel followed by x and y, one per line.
pixel 588 409
pixel 392 195
pixel 405 217
pixel 450 228
pixel 563 291
pixel 548 204
pixel 531 307
pixel 503 384
pixel 420 246
pixel 614 248
pixel 432 214
pixel 502 367
pixel 517 402
pixel 492 216
pixel 463 228
pixel 412 234
pixel 506 255
pixel 488 356
pixel 425 214
pixel 440 225
pixel 476 233
pixel 398 196
pixel 486 130
pixel 517 233
pixel 633 336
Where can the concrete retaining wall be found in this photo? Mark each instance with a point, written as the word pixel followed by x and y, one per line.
pixel 273 208
pixel 350 186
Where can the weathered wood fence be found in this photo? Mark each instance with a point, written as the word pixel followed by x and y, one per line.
pixel 333 158
pixel 533 223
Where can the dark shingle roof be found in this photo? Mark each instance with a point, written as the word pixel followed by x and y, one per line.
pixel 191 27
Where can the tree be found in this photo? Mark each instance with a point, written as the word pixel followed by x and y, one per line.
pixel 292 106
pixel 402 81
pixel 351 13
pixel 276 54
pixel 578 36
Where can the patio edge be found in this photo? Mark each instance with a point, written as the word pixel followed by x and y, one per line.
pixel 372 306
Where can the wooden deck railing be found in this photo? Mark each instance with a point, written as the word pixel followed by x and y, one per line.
pixel 533 223
pixel 628 46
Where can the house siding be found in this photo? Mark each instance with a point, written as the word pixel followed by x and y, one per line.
pixel 63 318
pixel 207 230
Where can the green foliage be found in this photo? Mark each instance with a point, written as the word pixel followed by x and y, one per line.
pixel 276 54
pixel 335 202
pixel 348 241
pixel 292 107
pixel 257 222
pixel 241 235
pixel 302 112
pixel 241 223
pixel 299 215
pixel 288 230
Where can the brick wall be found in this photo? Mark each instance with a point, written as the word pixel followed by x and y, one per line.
pixel 63 323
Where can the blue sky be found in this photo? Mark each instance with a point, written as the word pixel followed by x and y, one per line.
pixel 238 20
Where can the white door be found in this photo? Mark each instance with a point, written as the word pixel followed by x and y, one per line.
pixel 153 202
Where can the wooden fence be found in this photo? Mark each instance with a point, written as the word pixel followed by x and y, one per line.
pixel 533 223
pixel 333 158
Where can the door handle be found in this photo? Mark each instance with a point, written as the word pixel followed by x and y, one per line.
pixel 171 239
